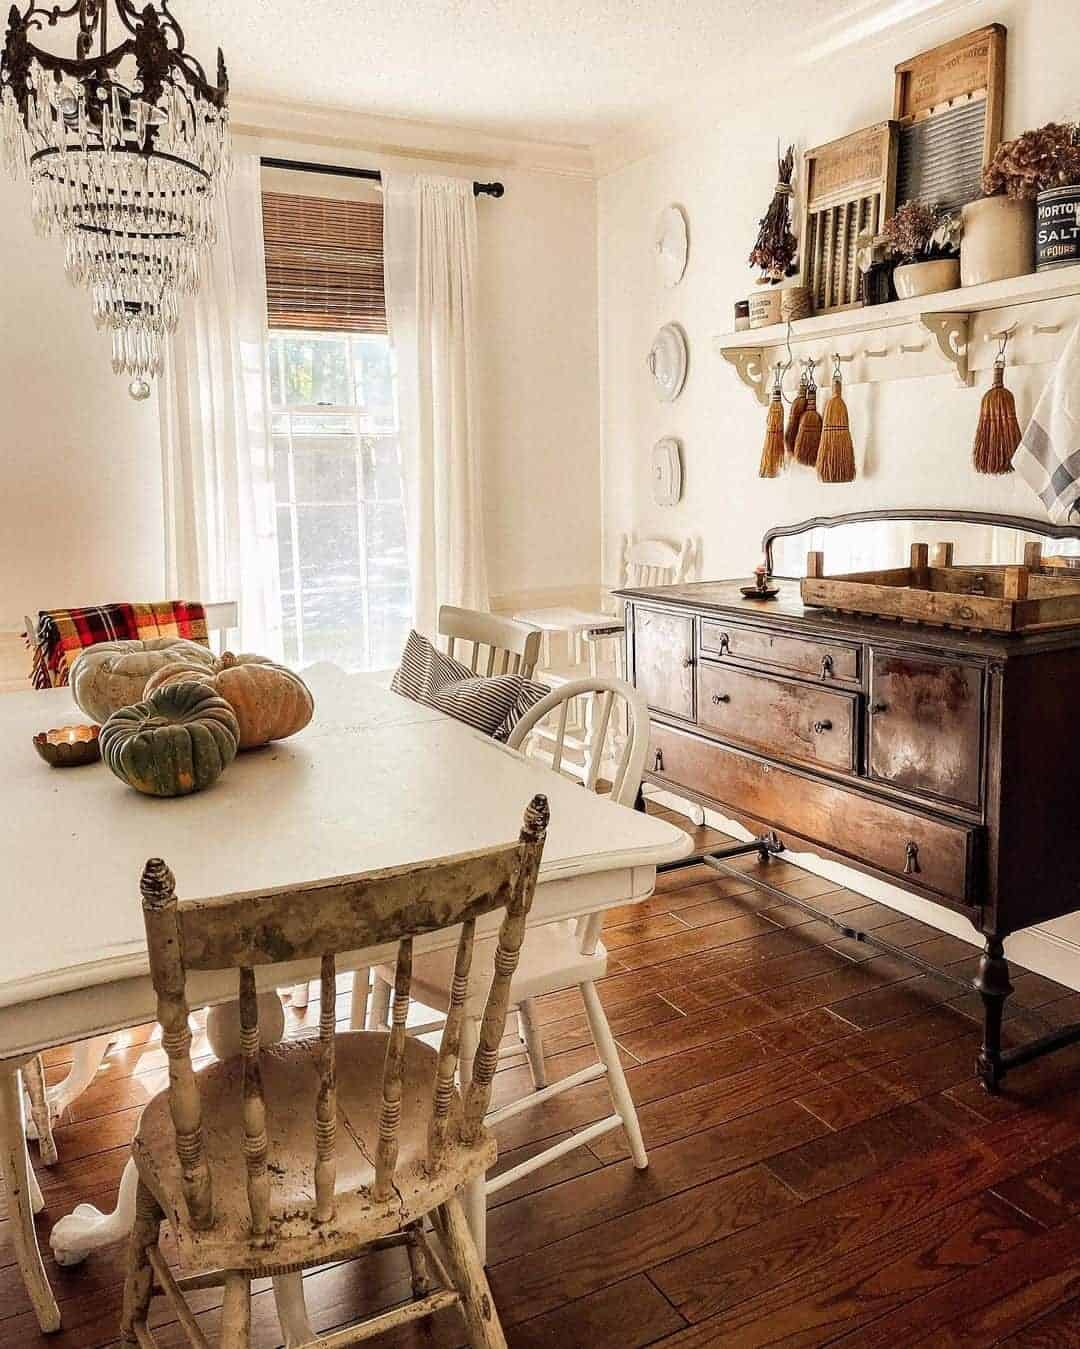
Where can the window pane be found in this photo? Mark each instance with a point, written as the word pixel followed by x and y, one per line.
pixel 342 552
pixel 317 370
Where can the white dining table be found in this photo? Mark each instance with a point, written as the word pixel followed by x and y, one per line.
pixel 376 780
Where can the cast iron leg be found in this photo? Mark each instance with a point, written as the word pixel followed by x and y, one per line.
pixel 993 986
pixel 639 801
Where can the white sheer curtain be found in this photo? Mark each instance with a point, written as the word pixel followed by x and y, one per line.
pixel 429 249
pixel 220 537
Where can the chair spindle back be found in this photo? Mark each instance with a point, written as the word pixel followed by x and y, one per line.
pixel 498 645
pixel 246 931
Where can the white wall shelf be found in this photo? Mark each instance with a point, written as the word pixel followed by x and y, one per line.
pixel 956 332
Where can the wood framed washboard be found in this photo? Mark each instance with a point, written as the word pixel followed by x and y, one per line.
pixel 944 762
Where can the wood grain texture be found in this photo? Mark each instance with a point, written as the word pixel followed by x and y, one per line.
pixel 827 1174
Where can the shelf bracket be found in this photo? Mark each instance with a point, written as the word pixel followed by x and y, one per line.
pixel 951 331
pixel 749 363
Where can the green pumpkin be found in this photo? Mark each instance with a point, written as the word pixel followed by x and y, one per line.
pixel 180 740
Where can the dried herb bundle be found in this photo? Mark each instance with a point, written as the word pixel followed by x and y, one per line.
pixel 776 246
pixel 1035 162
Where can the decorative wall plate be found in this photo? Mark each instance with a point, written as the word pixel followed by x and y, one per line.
pixel 666 472
pixel 671 244
pixel 667 360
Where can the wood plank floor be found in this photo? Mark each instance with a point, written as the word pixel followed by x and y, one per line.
pixel 824 1170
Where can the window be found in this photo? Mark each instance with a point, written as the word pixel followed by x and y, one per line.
pixel 337 462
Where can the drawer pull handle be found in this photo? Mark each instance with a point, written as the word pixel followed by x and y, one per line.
pixel 724 645
pixel 826 667
pixel 658 764
pixel 876 709
pixel 688 662
pixel 719 698
pixel 820 727
pixel 911 862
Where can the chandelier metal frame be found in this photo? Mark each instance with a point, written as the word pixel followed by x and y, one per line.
pixel 126 149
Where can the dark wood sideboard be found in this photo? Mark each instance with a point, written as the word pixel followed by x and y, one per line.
pixel 946 763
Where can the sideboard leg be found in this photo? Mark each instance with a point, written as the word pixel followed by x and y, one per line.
pixel 993 986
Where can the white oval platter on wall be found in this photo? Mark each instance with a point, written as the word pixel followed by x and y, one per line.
pixel 666 361
pixel 665 472
pixel 670 243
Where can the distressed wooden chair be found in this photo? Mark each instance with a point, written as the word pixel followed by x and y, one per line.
pixel 511 647
pixel 496 646
pixel 319 1150
pixel 557 956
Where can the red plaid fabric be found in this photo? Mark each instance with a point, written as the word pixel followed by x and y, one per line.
pixel 63 633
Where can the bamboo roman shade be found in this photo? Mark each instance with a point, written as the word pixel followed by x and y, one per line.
pixel 324 263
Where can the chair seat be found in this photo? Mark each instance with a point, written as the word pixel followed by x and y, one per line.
pixel 290 1084
pixel 550 961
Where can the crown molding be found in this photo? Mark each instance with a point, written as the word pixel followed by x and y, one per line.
pixel 404 138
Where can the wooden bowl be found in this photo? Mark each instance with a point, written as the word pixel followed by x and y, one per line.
pixel 69 746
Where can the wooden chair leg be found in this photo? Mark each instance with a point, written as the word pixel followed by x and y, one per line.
pixel 379 1015
pixel 236 1313
pixel 423 1282
pixel 139 1281
pixel 534 1043
pixel 616 1078
pixel 34 1079
pixel 467 1271
pixel 15 1171
pixel 358 1007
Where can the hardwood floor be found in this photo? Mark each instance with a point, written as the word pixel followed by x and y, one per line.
pixel 823 1167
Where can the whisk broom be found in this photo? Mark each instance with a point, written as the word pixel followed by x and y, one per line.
pixel 998 433
pixel 808 437
pixel 796 414
pixel 772 454
pixel 836 457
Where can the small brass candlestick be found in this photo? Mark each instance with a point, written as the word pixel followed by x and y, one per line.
pixel 69 746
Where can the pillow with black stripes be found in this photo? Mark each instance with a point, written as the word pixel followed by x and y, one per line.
pixel 489 703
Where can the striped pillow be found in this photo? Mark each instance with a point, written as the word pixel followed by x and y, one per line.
pixel 492 704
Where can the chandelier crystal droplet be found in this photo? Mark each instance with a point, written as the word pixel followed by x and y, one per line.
pixel 126 149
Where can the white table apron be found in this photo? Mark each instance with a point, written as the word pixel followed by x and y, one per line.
pixel 374 781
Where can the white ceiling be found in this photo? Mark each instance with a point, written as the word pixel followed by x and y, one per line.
pixel 577 74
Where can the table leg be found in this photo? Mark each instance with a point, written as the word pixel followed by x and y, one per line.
pixel 292 1310
pixel 87 1229
pixel 15 1168
pixel 87 1057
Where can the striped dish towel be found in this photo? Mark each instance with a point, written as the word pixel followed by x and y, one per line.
pixel 1048 457
pixel 63 633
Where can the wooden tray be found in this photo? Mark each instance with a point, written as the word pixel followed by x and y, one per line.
pixel 934 591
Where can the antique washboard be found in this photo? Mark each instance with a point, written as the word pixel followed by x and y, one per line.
pixel 850 190
pixel 949 103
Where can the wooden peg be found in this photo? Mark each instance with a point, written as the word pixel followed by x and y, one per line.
pixel 815 564
pixel 1016 583
pixel 1033 555
pixel 920 564
pixel 941 555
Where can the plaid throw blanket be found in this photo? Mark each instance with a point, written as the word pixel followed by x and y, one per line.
pixel 1048 458
pixel 63 633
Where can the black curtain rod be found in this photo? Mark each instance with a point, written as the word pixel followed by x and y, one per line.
pixel 372 175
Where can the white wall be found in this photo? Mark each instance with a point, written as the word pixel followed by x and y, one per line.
pixel 80 473
pixel 913 437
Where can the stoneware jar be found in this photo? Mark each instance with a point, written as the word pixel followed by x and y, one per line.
pixel 765 308
pixel 926 278
pixel 998 242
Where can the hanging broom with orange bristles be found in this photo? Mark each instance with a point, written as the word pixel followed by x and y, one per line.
pixel 808 437
pixel 836 457
pixel 795 415
pixel 772 454
pixel 998 433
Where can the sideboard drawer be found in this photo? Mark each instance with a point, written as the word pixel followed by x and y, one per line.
pixel 782 717
pixel 930 853
pixel 796 655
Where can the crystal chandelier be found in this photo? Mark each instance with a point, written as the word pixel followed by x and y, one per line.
pixel 126 149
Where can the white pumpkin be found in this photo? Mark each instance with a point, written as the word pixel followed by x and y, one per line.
pixel 112 675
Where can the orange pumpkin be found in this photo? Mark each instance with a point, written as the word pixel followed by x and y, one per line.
pixel 270 701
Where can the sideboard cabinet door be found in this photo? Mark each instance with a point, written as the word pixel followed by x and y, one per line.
pixel 664 661
pixel 926 726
